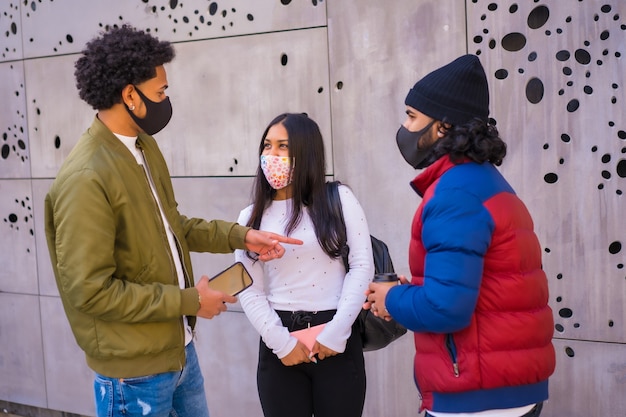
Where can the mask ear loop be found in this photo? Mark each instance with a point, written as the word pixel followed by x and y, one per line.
pixel 293 166
pixel 443 128
pixel 130 106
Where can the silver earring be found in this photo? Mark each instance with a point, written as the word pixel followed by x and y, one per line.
pixel 131 107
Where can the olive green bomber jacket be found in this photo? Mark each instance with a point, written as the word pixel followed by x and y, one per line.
pixel 111 259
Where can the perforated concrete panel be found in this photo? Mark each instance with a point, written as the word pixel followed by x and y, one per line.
pixel 11 32
pixel 56 115
pixel 68 381
pixel 556 74
pixel 64 26
pixel 13 142
pixel 18 274
pixel 21 352
pixel 220 106
pixel 557 81
pixel 225 92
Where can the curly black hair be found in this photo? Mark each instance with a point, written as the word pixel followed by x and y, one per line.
pixel 120 56
pixel 477 139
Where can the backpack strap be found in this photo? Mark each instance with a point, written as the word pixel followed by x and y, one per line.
pixel 380 251
pixel 332 189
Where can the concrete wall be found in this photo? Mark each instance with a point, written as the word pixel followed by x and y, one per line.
pixel 556 72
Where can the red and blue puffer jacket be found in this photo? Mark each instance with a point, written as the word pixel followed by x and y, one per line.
pixel 478 302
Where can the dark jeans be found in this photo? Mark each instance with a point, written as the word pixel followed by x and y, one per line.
pixel 535 412
pixel 334 387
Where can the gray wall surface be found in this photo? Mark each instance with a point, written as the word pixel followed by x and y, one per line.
pixel 557 77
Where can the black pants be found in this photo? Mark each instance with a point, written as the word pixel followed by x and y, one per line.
pixel 334 387
pixel 535 412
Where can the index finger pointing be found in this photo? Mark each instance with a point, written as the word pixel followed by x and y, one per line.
pixel 286 239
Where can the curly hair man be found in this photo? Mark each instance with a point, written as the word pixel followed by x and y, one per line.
pixel 478 297
pixel 120 248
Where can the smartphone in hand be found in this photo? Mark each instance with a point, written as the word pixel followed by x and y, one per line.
pixel 232 280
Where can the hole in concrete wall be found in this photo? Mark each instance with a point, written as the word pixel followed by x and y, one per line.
pixel 615 247
pixel 513 41
pixel 538 17
pixel 534 90
pixel 551 178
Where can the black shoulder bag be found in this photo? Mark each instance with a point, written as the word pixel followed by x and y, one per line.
pixel 376 333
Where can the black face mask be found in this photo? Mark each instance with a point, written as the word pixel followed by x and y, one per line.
pixel 408 143
pixel 157 116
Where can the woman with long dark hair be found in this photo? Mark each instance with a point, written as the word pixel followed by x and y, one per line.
pixel 308 291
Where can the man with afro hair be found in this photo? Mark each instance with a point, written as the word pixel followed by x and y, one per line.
pixel 120 248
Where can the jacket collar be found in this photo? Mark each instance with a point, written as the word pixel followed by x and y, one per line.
pixel 432 173
pixel 103 133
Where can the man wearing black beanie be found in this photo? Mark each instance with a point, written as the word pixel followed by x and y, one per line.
pixel 478 297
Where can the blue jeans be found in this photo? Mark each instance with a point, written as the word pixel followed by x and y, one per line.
pixel 170 394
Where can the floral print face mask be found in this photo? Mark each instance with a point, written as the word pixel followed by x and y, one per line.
pixel 277 170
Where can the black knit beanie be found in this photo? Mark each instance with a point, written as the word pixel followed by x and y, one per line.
pixel 456 92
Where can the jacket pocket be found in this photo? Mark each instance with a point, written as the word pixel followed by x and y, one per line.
pixel 451 348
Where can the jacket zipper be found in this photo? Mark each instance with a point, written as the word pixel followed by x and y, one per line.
pixel 176 240
pixel 451 348
pixel 148 175
pixel 185 274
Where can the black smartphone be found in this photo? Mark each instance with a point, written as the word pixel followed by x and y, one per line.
pixel 232 280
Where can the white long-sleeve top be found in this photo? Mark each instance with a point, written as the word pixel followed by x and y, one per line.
pixel 306 278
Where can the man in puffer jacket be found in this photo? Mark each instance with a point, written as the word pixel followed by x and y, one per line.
pixel 478 299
